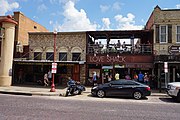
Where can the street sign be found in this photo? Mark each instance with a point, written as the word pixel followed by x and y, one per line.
pixel 174 49
pixel 166 67
pixel 54 67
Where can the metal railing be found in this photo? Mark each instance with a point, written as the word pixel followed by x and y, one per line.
pixel 113 48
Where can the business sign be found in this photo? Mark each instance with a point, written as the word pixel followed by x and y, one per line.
pixel 174 49
pixel 123 59
pixel 54 67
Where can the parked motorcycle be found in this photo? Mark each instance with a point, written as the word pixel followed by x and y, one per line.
pixel 74 89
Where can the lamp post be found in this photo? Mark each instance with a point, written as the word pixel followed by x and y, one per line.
pixel 54 68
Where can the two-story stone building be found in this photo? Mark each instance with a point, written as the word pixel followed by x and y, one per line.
pixel 166 26
pixel 70 56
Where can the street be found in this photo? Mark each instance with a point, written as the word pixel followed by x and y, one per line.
pixel 85 107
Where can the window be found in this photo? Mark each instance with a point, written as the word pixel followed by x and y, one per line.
pixel 62 56
pixel 76 56
pixel 37 55
pixel 163 34
pixel 49 56
pixel 178 34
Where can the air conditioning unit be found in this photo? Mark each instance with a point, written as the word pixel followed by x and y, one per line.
pixel 19 48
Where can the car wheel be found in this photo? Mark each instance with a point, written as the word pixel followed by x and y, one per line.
pixel 100 93
pixel 137 95
pixel 178 97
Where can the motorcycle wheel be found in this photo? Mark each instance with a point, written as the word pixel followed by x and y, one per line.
pixel 66 93
pixel 79 92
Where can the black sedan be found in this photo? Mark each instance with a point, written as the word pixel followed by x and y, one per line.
pixel 125 88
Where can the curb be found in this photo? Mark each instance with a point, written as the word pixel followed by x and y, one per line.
pixel 16 93
pixel 55 94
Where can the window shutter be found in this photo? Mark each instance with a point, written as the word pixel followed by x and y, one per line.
pixel 169 33
pixel 157 33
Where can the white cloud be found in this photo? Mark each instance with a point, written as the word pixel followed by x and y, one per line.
pixel 178 6
pixel 75 20
pixel 50 22
pixel 106 23
pixel 42 7
pixel 6 7
pixel 116 6
pixel 127 23
pixel 35 17
pixel 104 8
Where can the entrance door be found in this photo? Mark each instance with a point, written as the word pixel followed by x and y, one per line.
pixel 107 71
pixel 76 73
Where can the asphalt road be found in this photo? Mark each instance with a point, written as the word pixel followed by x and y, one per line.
pixel 82 107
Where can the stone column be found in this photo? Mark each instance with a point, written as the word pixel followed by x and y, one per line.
pixel 7 51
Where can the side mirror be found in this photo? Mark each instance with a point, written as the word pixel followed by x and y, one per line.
pixel 110 85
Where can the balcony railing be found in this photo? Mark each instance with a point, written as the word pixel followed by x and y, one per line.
pixel 113 48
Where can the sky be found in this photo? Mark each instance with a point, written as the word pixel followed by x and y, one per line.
pixel 87 15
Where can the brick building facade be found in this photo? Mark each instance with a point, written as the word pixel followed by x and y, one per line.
pixel 166 26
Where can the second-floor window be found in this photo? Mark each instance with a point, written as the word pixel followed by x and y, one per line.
pixel 76 56
pixel 49 56
pixel 163 34
pixel 62 56
pixel 37 55
pixel 178 34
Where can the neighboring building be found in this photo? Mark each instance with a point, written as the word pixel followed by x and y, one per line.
pixel 19 33
pixel 166 26
pixel 124 52
pixel 24 26
pixel 70 57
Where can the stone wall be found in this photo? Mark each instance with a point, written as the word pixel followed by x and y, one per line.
pixel 68 41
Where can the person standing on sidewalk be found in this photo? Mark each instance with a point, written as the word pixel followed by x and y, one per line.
pixel 49 75
pixel 94 79
pixel 117 76
pixel 140 77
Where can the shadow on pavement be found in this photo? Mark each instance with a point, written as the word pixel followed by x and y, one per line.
pixel 169 100
pixel 117 97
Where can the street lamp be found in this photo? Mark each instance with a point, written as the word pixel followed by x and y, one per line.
pixel 54 67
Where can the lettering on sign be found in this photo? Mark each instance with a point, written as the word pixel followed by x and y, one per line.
pixel 102 59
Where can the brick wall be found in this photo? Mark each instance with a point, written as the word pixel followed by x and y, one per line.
pixel 24 26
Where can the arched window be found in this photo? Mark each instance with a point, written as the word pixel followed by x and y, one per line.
pixel 76 54
pixel 63 54
pixel 50 54
pixel 37 54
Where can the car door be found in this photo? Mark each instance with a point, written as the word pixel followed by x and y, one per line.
pixel 127 88
pixel 114 87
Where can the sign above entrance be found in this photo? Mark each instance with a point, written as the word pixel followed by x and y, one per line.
pixel 174 49
pixel 124 59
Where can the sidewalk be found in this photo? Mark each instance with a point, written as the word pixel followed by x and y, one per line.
pixel 45 91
